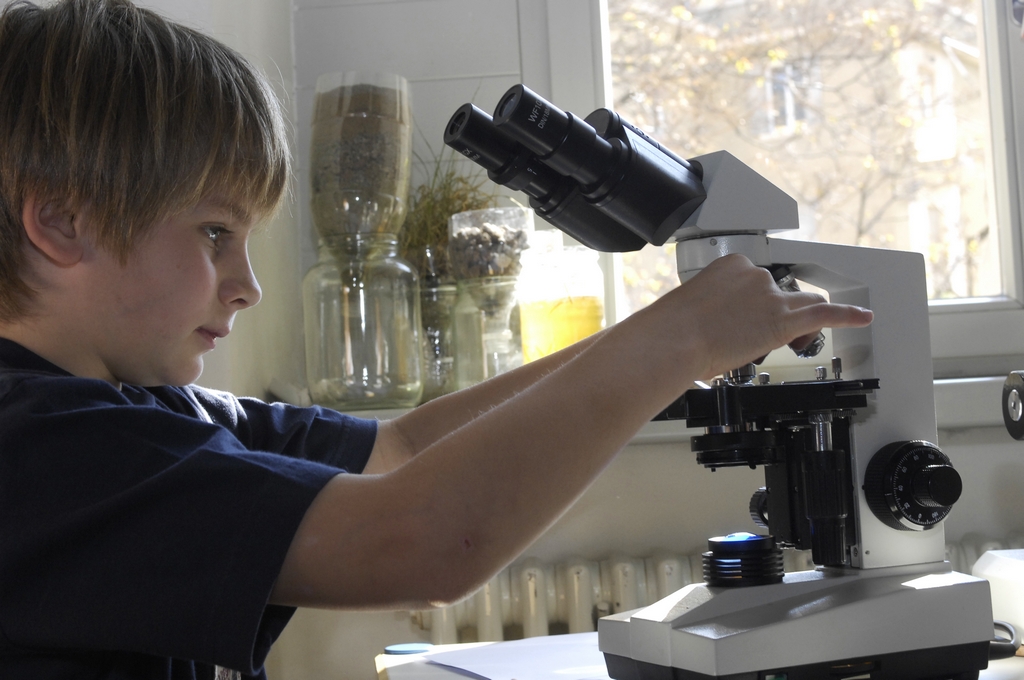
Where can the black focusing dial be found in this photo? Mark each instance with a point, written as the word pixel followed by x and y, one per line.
pixel 911 485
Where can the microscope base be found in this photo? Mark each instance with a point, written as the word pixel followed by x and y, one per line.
pixel 922 622
pixel 962 662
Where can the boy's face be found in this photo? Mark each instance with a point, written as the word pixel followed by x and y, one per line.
pixel 179 292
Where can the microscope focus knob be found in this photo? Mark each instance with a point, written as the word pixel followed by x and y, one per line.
pixel 937 486
pixel 759 507
pixel 911 485
pixel 1013 404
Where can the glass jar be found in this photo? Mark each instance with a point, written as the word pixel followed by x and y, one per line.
pixel 488 242
pixel 437 302
pixel 484 248
pixel 485 344
pixel 362 325
pixel 437 305
pixel 561 295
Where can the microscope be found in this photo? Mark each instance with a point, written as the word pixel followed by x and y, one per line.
pixel 851 470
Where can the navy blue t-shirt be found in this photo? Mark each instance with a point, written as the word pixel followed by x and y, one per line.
pixel 142 529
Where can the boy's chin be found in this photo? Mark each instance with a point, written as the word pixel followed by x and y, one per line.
pixel 179 377
pixel 191 376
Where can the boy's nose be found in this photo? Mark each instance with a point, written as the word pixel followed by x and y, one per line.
pixel 241 289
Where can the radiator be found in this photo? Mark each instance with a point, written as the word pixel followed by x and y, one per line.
pixel 533 598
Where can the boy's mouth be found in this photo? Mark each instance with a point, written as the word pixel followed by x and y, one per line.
pixel 211 336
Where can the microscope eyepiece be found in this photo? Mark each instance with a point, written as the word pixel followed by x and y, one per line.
pixel 457 122
pixel 471 133
pixel 556 198
pixel 613 189
pixel 509 102
pixel 531 120
pixel 568 144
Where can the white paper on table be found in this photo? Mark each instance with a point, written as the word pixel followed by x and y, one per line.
pixel 553 657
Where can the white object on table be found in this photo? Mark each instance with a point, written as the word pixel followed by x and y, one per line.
pixel 1004 571
pixel 551 657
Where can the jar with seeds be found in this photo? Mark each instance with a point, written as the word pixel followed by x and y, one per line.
pixel 485 248
pixel 488 242
pixel 361 153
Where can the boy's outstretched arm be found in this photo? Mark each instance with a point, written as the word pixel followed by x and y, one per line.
pixel 402 438
pixel 436 528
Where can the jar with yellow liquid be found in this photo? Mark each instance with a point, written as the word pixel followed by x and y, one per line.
pixel 561 296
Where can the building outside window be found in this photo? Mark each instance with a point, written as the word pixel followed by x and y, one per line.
pixel 869 113
pixel 894 123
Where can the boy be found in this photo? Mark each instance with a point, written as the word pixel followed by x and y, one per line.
pixel 152 529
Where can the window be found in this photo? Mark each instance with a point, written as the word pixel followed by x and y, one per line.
pixel 893 123
pixel 788 95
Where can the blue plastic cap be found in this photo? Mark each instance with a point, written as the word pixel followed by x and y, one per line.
pixel 408 648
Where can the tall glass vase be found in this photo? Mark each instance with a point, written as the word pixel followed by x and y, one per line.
pixel 361 153
pixel 361 300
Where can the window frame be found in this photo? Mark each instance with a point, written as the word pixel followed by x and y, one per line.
pixel 980 337
pixel 985 336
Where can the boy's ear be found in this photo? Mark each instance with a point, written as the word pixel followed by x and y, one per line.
pixel 54 229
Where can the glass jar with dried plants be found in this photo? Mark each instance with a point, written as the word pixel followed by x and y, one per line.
pixel 424 243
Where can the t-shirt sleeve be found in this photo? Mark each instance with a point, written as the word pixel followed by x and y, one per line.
pixel 313 432
pixel 138 529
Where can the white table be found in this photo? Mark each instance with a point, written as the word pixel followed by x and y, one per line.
pixel 573 651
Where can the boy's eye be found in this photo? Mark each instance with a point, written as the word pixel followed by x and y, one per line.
pixel 215 232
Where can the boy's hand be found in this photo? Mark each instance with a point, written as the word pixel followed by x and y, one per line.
pixel 736 313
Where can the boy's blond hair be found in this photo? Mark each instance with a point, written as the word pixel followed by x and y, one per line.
pixel 108 106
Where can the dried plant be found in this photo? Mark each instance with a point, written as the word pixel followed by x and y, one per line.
pixel 447 192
